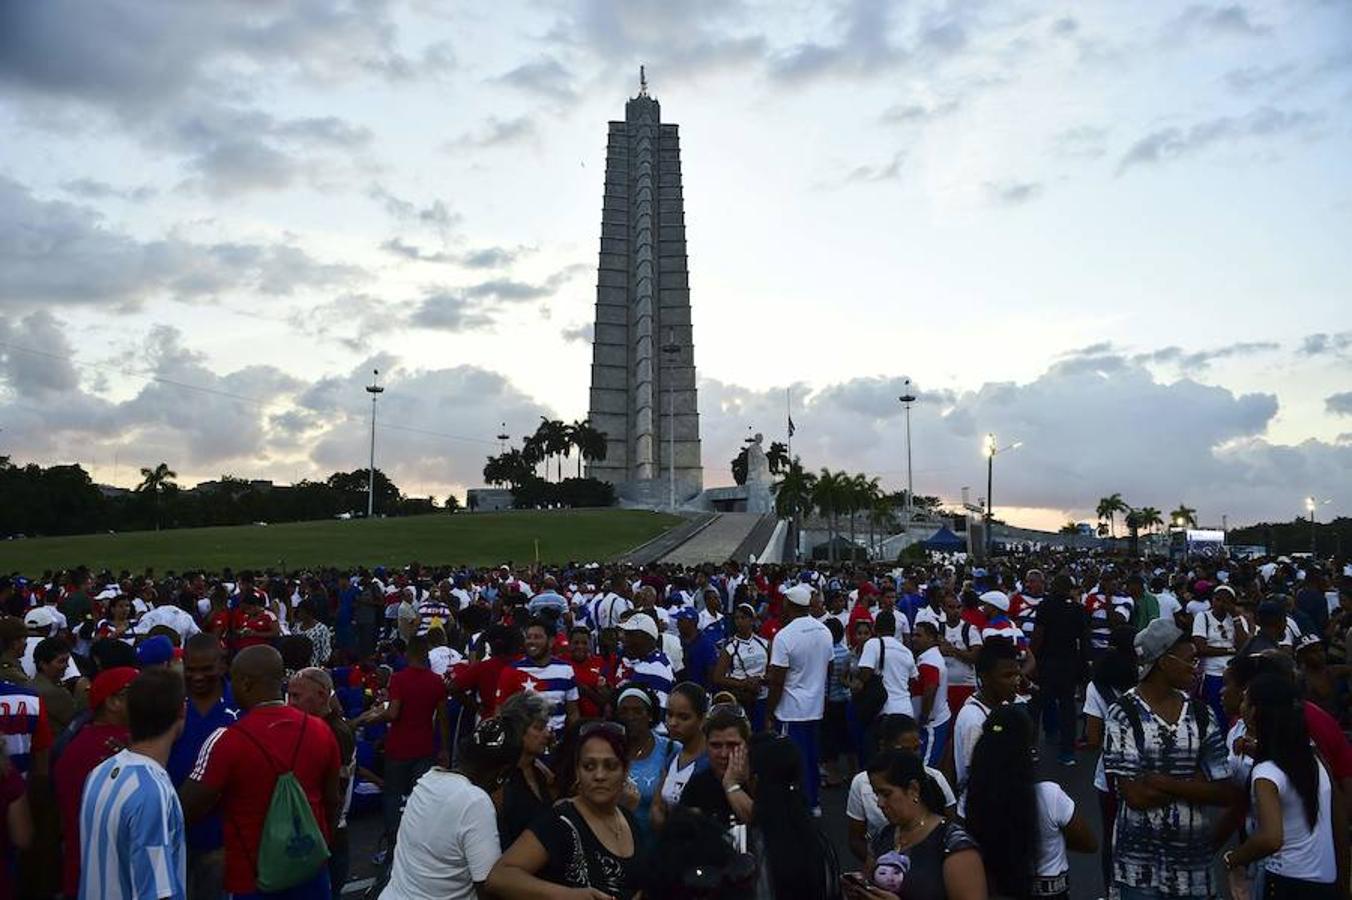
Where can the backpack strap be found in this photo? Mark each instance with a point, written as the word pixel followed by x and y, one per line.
pixel 1128 702
pixel 237 727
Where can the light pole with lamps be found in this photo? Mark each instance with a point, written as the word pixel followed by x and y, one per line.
pixel 991 450
pixel 670 350
pixel 375 390
pixel 907 399
pixel 1311 504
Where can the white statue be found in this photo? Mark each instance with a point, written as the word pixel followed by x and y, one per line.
pixel 757 465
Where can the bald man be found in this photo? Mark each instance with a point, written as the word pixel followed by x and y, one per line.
pixel 239 765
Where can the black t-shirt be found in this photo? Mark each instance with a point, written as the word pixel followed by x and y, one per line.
pixel 704 792
pixel 1064 627
pixel 578 859
pixel 923 878
pixel 520 806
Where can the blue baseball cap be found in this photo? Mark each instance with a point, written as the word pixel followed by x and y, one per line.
pixel 155 651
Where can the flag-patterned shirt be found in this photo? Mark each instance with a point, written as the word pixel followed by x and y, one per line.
pixel 553 680
pixel 131 832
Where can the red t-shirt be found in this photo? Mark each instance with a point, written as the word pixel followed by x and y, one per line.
pixel 588 673
pixel 420 693
pixel 482 678
pixel 245 773
pixel 260 621
pixel 218 622
pixel 92 745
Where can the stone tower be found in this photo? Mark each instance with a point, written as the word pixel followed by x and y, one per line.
pixel 643 352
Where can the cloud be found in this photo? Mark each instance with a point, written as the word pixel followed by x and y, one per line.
pixel 1325 344
pixel 448 311
pixel 1227 20
pixel 1012 193
pixel 867 174
pixel 1205 444
pixel 496 133
pixel 1253 78
pixel 437 215
pixel 580 334
pixel 54 252
pixel 399 247
pixel 918 113
pixel 545 76
pixel 29 374
pixel 1081 142
pixel 1265 123
pixel 1339 404
pixel 93 189
pixel 480 258
pixel 1198 360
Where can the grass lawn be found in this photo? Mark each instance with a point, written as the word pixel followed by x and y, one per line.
pixel 474 538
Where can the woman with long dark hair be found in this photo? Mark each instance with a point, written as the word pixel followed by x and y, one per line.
pixel 1024 826
pixel 798 861
pixel 920 855
pixel 1301 831
pixel 1113 675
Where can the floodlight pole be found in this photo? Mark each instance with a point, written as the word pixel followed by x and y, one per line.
pixel 375 390
pixel 906 400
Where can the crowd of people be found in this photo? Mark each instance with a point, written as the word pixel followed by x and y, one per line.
pixel 660 732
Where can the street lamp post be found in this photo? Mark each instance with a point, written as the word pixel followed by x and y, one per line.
pixel 1311 504
pixel 991 450
pixel 670 351
pixel 375 390
pixel 906 400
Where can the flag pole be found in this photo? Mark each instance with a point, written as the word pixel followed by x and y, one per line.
pixel 788 410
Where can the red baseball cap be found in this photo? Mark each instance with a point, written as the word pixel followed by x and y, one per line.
pixel 110 682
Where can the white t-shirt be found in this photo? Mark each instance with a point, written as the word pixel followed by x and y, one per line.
pixel 803 648
pixel 1096 706
pixel 747 658
pixel 1169 604
pixel 862 804
pixel 439 659
pixel 939 713
pixel 962 636
pixel 172 616
pixel 1305 854
pixel 30 666
pixel 929 614
pixel 1054 812
pixel 448 840
pixel 898 671
pixel 1219 635
pixel 966 732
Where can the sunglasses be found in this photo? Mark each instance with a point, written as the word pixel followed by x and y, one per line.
pixel 601 727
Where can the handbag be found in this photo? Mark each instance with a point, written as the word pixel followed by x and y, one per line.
pixel 872 697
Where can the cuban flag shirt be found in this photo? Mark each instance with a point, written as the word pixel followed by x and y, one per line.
pixel 553 680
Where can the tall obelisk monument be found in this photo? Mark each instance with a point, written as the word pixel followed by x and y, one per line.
pixel 643 354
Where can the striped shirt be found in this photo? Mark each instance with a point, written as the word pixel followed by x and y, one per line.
pixel 131 832
pixel 554 681
pixel 23 725
pixel 652 671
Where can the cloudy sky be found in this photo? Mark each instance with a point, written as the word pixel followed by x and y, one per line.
pixel 1118 233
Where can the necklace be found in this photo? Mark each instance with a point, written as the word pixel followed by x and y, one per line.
pixel 918 826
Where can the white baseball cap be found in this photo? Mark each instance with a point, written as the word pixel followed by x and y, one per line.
pixel 998 599
pixel 640 622
pixel 799 595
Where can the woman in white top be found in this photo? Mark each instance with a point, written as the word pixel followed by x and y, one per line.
pixel 687 706
pixel 741 666
pixel 1301 832
pixel 448 837
pixel 1024 826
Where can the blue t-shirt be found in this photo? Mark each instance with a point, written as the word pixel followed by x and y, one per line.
pixel 700 656
pixel 206 833
pixel 648 773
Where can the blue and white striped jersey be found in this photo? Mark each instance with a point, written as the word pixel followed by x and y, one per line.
pixel 131 832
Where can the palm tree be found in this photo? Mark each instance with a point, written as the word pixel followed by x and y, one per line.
pixel 533 452
pixel 554 441
pixel 881 514
pixel 1149 518
pixel 1069 528
pixel 590 443
pixel 864 492
pixel 1185 516
pixel 828 496
pixel 1110 506
pixel 778 457
pixel 154 483
pixel 793 497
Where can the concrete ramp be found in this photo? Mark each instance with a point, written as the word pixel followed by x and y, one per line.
pixel 717 541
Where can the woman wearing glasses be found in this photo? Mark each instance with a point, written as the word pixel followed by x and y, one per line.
pixel 587 843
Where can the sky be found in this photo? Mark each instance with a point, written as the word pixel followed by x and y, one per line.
pixel 1116 235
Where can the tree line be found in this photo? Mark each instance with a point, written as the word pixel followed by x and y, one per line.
pixel 61 500
pixel 554 441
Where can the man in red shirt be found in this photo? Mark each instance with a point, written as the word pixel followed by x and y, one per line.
pixel 99 739
pixel 251 624
pixel 476 685
pixel 589 671
pixel 239 766
pixel 417 716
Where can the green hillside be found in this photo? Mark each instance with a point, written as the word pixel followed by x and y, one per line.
pixel 473 538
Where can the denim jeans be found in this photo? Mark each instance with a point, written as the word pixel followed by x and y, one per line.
pixel 316 888
pixel 805 736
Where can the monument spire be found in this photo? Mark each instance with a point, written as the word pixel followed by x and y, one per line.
pixel 642 81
